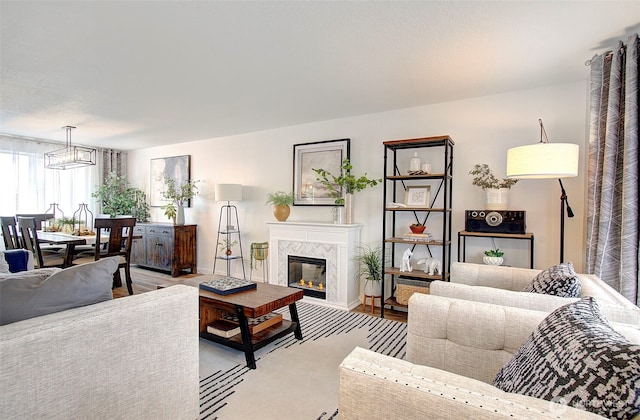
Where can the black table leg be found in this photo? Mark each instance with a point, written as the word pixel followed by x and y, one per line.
pixel 246 338
pixel 294 317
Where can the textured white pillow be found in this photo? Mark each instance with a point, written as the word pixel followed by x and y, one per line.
pixel 4 267
pixel 34 293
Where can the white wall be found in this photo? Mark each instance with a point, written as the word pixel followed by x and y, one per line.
pixel 482 128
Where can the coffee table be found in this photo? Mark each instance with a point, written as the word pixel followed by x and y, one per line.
pixel 251 304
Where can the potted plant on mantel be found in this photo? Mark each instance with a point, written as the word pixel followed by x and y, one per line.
pixel 347 182
pixel 496 189
pixel 176 197
pixel 369 260
pixel 281 202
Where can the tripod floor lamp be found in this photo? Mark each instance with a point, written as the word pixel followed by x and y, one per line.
pixel 229 229
pixel 546 160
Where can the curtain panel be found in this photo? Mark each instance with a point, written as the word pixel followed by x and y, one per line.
pixel 612 213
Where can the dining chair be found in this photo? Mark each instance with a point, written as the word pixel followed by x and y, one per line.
pixel 41 220
pixel 10 232
pixel 120 231
pixel 29 233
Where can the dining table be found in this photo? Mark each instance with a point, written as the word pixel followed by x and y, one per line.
pixel 70 241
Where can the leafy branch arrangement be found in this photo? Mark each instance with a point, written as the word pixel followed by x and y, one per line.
pixel 177 196
pixel 345 180
pixel 484 178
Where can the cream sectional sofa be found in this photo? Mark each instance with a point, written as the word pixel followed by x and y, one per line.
pixel 502 286
pixel 455 348
pixel 129 358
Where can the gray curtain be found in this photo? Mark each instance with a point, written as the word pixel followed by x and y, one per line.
pixel 612 217
pixel 112 161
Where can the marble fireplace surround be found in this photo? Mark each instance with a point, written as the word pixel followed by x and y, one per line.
pixel 335 243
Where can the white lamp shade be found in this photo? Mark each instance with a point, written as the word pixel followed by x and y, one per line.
pixel 543 160
pixel 228 192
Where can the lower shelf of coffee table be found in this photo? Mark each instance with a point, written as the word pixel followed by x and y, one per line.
pixel 258 340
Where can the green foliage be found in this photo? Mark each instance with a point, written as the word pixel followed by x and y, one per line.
pixel 178 195
pixel 280 198
pixel 117 198
pixel 494 253
pixel 350 183
pixel 369 260
pixel 225 244
pixel 484 178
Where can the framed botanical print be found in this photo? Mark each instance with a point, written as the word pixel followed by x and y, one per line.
pixel 327 155
pixel 418 196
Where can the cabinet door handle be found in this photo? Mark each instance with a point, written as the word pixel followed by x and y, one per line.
pixel 159 244
pixel 151 230
pixel 165 231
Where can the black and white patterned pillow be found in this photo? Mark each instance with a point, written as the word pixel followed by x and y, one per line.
pixel 575 356
pixel 559 280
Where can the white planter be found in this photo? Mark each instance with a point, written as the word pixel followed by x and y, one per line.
pixel 372 288
pixel 492 260
pixel 496 199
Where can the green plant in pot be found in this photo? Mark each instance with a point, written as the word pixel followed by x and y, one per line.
pixel 118 198
pixel 346 182
pixel 281 202
pixel 226 245
pixel 496 189
pixel 369 260
pixel 177 196
pixel 493 256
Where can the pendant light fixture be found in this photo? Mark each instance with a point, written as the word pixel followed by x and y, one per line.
pixel 70 157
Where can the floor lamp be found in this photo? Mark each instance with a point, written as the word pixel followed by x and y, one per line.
pixel 546 160
pixel 229 193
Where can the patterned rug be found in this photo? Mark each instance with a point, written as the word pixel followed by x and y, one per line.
pixel 294 379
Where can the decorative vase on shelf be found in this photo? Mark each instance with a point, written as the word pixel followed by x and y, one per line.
pixel 496 199
pixel 180 215
pixel 414 163
pixel 492 260
pixel 348 208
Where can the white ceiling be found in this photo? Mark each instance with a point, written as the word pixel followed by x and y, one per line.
pixel 134 74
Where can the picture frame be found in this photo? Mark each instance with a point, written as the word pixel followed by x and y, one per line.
pixel 175 167
pixel 418 196
pixel 327 155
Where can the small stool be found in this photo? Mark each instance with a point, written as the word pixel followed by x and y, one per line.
pixel 260 252
pixel 373 302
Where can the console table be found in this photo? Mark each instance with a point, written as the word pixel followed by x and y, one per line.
pixel 463 234
pixel 166 247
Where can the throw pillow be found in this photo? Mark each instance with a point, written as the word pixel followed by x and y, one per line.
pixel 575 357
pixel 559 280
pixel 39 292
pixel 4 266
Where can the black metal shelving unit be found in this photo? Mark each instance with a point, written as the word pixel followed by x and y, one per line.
pixel 396 181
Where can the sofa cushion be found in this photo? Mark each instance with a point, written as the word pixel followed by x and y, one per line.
pixel 575 356
pixel 559 280
pixel 39 292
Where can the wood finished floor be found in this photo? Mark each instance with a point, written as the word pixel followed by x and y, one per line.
pixel 146 280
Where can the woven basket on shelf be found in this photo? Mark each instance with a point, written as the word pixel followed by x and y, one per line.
pixel 406 287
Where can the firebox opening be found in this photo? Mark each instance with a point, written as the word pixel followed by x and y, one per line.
pixel 308 274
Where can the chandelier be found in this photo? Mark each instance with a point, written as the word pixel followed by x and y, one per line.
pixel 70 157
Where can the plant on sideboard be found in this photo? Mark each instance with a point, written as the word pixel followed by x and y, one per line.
pixel 176 197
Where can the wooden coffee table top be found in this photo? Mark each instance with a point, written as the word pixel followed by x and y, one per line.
pixel 264 299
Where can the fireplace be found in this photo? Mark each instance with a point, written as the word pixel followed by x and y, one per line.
pixel 308 274
pixel 334 244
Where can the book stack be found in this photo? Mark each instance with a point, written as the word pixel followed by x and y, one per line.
pixel 426 236
pixel 228 325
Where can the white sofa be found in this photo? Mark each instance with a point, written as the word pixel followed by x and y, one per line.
pixel 455 348
pixel 129 358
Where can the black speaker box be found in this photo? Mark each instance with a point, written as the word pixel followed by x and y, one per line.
pixel 495 221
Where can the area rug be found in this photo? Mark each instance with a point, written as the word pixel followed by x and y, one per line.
pixel 294 379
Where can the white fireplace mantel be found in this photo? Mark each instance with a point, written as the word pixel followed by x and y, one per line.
pixel 336 243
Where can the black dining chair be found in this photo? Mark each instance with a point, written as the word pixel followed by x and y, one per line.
pixel 29 234
pixel 10 232
pixel 41 219
pixel 120 231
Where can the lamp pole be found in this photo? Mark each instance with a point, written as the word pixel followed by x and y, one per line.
pixel 564 201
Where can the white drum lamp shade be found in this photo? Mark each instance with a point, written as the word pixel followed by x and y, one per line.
pixel 543 160
pixel 228 192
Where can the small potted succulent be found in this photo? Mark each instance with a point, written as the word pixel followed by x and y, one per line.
pixel 493 257
pixel 281 202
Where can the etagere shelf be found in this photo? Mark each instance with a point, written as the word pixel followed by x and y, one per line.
pixel 397 218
